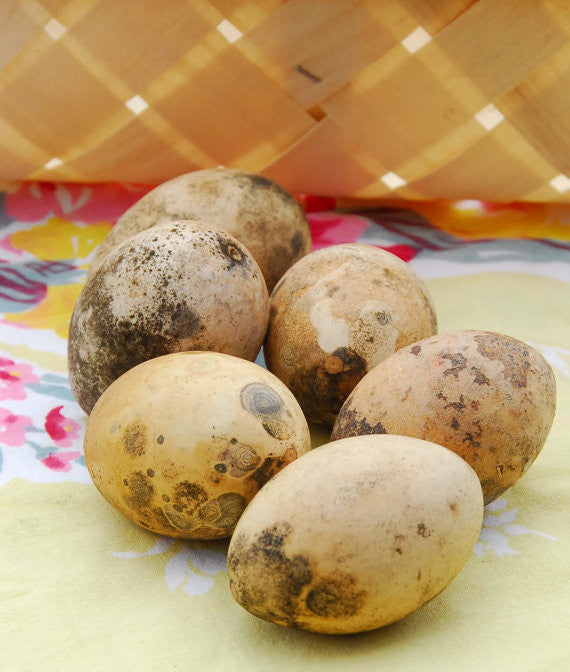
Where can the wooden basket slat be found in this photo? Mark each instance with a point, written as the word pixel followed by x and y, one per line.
pixel 350 98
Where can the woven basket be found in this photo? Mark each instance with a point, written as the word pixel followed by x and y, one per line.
pixel 411 99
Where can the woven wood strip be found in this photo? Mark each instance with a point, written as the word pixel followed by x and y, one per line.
pixel 416 99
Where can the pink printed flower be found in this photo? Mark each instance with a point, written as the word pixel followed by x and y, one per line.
pixel 405 252
pixel 34 201
pixel 332 229
pixel 328 228
pixel 13 428
pixel 60 461
pixel 63 431
pixel 12 378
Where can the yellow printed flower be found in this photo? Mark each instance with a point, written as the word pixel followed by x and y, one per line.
pixel 61 239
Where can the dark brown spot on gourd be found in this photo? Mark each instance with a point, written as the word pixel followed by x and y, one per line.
pixel 184 322
pixel 296 242
pixel 258 182
pixel 472 438
pixel 261 573
pixel 472 441
pixel 209 512
pixel 187 497
pixel 383 317
pixel 238 459
pixel 336 596
pixel 350 422
pixel 232 252
pixel 266 404
pixel 480 377
pixel 266 471
pixel 459 363
pixel 423 531
pixel 150 473
pixel 277 429
pixel 141 491
pixel 323 389
pixel 457 405
pixel 416 349
pixel 118 343
pixel 273 537
pixel 224 511
pixel 455 423
pixel 511 353
pixel 162 519
pixel 160 439
pixel 179 519
pixel 135 439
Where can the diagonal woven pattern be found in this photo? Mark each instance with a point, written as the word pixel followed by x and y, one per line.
pixel 368 99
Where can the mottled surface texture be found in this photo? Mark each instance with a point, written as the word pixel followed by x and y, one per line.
pixel 356 534
pixel 85 589
pixel 178 286
pixel 179 444
pixel 488 397
pixel 338 313
pixel 253 209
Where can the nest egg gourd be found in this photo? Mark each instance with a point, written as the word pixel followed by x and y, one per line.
pixel 257 211
pixel 178 286
pixel 181 443
pixel 335 315
pixel 488 397
pixel 356 534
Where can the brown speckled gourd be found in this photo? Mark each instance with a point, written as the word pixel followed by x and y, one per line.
pixel 181 443
pixel 178 286
pixel 335 315
pixel 356 534
pixel 488 397
pixel 255 210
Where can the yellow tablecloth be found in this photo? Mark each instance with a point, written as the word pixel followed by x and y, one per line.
pixel 81 588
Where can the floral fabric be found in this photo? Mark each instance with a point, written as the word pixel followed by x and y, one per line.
pixel 82 588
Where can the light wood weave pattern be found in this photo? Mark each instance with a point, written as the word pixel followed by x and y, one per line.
pixel 416 99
